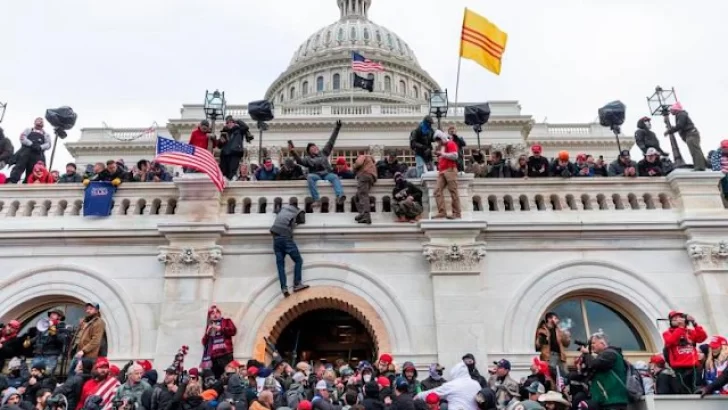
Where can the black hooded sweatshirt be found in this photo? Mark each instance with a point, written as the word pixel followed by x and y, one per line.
pixel 73 386
pixel 474 373
pixel 371 397
pixel 645 138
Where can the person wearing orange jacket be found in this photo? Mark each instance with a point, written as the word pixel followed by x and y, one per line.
pixel 680 349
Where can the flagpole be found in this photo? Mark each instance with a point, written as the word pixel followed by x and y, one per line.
pixel 457 86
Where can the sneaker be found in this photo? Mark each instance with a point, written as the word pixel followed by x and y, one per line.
pixel 300 287
pixel 365 220
pixel 285 292
pixel 358 218
pixel 439 216
pixel 316 204
pixel 341 200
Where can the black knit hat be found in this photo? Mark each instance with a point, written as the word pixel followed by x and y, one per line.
pixel 308 147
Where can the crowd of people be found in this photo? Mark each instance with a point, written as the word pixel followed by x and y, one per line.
pixel 600 376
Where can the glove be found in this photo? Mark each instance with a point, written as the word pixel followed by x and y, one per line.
pixel 116 182
pixel 338 123
pixel 86 182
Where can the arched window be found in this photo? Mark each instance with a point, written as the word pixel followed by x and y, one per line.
pixel 415 92
pixel 402 87
pixel 366 34
pixel 328 37
pixel 390 41
pixel 337 81
pixel 319 84
pixel 318 39
pixel 427 96
pixel 586 316
pixel 387 83
pixel 352 34
pixel 304 88
pixel 379 37
pixel 340 35
pixel 399 45
pixel 293 93
pixel 280 97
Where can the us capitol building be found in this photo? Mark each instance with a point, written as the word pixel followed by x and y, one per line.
pixel 605 253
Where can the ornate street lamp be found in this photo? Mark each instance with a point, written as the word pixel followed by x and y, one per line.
pixel 3 107
pixel 438 105
pixel 215 106
pixel 660 103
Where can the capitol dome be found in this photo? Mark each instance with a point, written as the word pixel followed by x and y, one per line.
pixel 320 70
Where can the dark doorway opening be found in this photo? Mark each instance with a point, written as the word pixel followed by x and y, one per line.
pixel 326 334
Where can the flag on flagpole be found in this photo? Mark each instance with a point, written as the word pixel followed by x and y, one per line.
pixel 360 64
pixel 172 152
pixel 482 42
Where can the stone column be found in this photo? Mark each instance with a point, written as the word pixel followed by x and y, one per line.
pixel 190 263
pixel 455 256
pixel 465 188
pixel 710 263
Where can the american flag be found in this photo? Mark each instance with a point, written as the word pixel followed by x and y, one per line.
pixel 364 65
pixel 178 153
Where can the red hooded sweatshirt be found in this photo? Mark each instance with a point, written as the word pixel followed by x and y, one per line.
pixel 198 138
pixel 687 355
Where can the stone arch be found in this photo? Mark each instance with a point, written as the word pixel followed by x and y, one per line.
pixel 630 291
pixel 21 292
pixel 339 282
pixel 322 297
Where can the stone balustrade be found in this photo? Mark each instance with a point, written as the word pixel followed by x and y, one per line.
pixel 626 199
pixel 674 402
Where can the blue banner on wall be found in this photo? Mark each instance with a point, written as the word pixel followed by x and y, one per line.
pixel 98 199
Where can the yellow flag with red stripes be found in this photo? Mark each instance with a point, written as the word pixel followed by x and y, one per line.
pixel 482 42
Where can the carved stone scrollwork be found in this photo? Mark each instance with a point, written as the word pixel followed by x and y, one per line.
pixel 517 150
pixel 275 154
pixel 709 256
pixel 376 151
pixel 251 152
pixel 190 262
pixel 454 258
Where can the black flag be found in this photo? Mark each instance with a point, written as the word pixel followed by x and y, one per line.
pixel 364 83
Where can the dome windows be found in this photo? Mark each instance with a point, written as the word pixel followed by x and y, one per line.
pixel 328 37
pixel 390 41
pixel 319 84
pixel 352 35
pixel 318 41
pixel 402 87
pixel 366 34
pixel 337 81
pixel 304 88
pixel 387 83
pixel 293 93
pixel 415 92
pixel 280 97
pixel 399 45
pixel 340 35
pixel 379 37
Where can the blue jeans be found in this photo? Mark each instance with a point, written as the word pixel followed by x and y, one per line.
pixel 72 369
pixel 421 165
pixel 51 363
pixel 283 246
pixel 331 177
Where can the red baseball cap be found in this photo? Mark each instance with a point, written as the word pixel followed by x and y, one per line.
pixel 304 405
pixel 657 359
pixel 194 372
pixel 114 370
pixel 252 371
pixel 432 398
pixel 536 148
pixel 102 362
pixel 234 364
pixel 716 342
pixel 145 364
pixel 383 381
pixel 386 358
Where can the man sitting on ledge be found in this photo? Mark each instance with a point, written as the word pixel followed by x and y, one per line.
pixel 319 167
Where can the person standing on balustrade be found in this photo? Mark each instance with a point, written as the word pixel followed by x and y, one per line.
pixel 35 142
pixel 366 176
pixel 447 177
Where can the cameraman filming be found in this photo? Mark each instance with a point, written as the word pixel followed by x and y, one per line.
pixel 232 139
pixel 608 374
pixel 680 351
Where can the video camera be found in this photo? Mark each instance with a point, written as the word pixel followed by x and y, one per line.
pixel 125 403
pixel 581 344
pixel 57 402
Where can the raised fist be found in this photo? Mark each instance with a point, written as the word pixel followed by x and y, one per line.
pixel 338 123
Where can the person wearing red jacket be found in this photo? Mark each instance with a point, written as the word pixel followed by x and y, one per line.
pixel 680 341
pixel 447 177
pixel 218 342
pixel 200 136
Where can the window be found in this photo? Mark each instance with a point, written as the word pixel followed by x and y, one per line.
pixel 387 83
pixel 402 87
pixel 328 37
pixel 585 316
pixel 379 37
pixel 304 88
pixel 352 34
pixel 340 36
pixel 399 45
pixel 293 93
pixel 280 97
pixel 389 41
pixel 337 82
pixel 415 92
pixel 318 40
pixel 427 96
pixel 366 34
pixel 319 84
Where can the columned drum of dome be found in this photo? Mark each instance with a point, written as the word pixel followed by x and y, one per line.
pixel 325 58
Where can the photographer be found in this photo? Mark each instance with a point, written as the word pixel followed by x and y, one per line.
pixel 232 139
pixel 35 141
pixel 680 351
pixel 608 370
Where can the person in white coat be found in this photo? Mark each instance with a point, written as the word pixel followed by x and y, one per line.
pixel 459 392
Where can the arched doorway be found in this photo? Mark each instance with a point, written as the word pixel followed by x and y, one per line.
pixel 326 334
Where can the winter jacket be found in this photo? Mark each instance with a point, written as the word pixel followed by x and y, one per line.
pixel 364 165
pixel 543 342
pixel 44 178
pixel 538 167
pixel 430 383
pixel 644 167
pixel 48 345
pixel 460 141
pixel 161 397
pixel 132 390
pixel 459 392
pixel 319 403
pixel 617 167
pixel 371 397
pixel 414 385
pixel 261 174
pixel 562 170
pixel 319 163
pixel 386 170
pixel 199 139
pixel 501 387
pixel 609 371
pixel 683 125
pixel 584 166
pixel 73 387
pixel 49 383
pixel 286 220
pixel 227 330
pixel 645 138
pixel 88 337
pixel 680 344
pixel 666 382
pixel 295 394
pixel 162 174
pixel 290 171
pixel 404 189
pixel 6 148
pixel 403 402
pixel 499 170
pixel 70 179
pixel 109 176
pixel 233 145
pixel 37 140
pixel 421 139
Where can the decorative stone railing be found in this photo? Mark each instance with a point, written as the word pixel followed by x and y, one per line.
pixel 684 402
pixel 529 200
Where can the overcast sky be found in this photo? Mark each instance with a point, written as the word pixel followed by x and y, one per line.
pixel 133 62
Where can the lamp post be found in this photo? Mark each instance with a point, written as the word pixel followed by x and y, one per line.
pixel 438 105
pixel 214 107
pixel 659 104
pixel 3 107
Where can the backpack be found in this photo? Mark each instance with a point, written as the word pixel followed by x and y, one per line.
pixel 633 382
